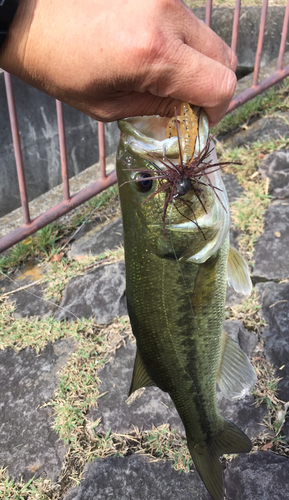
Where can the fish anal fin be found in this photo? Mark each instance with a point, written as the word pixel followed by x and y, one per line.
pixel 238 272
pixel 206 457
pixel 140 376
pixel 236 376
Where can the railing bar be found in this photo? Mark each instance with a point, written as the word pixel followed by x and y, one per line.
pixel 53 213
pixel 63 152
pixel 261 87
pixel 208 12
pixel 283 37
pixel 17 147
pixel 235 29
pixel 260 42
pixel 101 148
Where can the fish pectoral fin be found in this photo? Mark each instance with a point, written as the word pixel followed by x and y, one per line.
pixel 140 376
pixel 206 457
pixel 236 376
pixel 238 272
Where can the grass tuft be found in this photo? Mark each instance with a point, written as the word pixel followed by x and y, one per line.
pixel 265 104
pixel 248 313
pixel 248 211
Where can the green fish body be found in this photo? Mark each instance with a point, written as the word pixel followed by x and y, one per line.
pixel 176 288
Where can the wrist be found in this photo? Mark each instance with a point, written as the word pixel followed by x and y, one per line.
pixel 8 10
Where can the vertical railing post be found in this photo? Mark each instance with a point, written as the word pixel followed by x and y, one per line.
pixel 101 148
pixel 235 29
pixel 260 42
pixel 283 37
pixel 63 152
pixel 208 12
pixel 17 147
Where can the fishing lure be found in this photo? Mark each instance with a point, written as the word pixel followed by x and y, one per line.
pixel 190 173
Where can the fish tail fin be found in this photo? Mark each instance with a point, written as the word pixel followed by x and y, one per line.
pixel 206 458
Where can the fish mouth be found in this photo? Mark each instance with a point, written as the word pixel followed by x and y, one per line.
pixel 179 150
pixel 148 134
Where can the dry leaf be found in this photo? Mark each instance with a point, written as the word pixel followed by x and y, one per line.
pixel 56 257
pixel 267 446
pixel 277 234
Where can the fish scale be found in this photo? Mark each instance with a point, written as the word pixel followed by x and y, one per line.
pixel 170 351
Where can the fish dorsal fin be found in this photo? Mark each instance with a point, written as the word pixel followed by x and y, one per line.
pixel 236 376
pixel 238 272
pixel 206 458
pixel 140 376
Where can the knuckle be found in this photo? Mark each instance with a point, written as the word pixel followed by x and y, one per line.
pixel 149 46
pixel 234 62
pixel 230 84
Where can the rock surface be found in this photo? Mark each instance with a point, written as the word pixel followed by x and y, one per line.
pixel 29 446
pixel 233 188
pixel 94 240
pixel 260 476
pixel 28 302
pixel 135 478
pixel 272 246
pixel 261 130
pixel 275 308
pixel 246 340
pixel 99 293
pixel 152 407
pixel 275 166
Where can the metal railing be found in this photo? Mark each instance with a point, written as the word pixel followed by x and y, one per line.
pixel 30 226
pixel 275 77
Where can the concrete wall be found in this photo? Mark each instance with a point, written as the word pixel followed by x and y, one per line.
pixel 38 124
pixel 222 22
pixel 40 146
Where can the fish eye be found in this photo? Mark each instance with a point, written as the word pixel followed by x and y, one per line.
pixel 144 182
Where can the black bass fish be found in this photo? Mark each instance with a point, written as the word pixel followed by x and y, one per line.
pixel 178 260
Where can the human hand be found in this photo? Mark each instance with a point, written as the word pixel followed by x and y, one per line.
pixel 120 58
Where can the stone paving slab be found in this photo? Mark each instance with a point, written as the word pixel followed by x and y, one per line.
pixel 152 407
pixel 260 476
pixel 28 303
pixel 29 446
pixel 136 478
pixel 246 340
pixel 275 308
pixel 271 248
pixel 261 130
pixel 275 167
pixel 99 293
pixel 233 188
pixel 95 239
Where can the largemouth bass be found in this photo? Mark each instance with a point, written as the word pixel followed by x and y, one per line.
pixel 178 260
